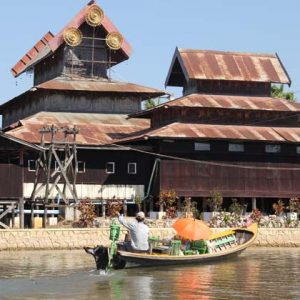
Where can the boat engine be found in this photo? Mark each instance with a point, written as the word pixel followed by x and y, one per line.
pixel 105 257
pixel 100 254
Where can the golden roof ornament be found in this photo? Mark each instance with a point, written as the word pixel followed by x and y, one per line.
pixel 114 40
pixel 72 36
pixel 94 16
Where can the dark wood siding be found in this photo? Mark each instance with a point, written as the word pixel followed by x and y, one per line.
pixel 10 180
pixel 198 180
pixel 228 87
pixel 224 116
pixel 95 163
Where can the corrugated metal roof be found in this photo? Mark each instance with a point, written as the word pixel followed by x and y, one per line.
pixel 234 132
pixel 289 134
pixel 86 85
pixel 94 129
pixel 231 132
pixel 49 43
pixel 232 66
pixel 224 102
pixel 98 86
pixel 234 102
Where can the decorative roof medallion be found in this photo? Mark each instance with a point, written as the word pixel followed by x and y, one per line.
pixel 114 40
pixel 72 36
pixel 94 16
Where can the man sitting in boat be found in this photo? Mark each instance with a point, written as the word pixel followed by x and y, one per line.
pixel 139 233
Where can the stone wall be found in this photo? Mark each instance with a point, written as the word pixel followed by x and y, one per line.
pixel 73 238
pixel 21 239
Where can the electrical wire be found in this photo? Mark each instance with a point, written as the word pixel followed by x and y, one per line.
pixel 206 162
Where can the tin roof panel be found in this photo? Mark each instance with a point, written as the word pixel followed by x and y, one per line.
pixel 228 132
pixel 231 66
pixel 94 129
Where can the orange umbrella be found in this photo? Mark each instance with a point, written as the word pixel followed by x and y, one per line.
pixel 192 229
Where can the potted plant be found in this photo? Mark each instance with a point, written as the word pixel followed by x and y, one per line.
pixel 167 202
pixel 294 209
pixel 214 202
pixel 189 208
pixel 279 208
pixel 235 207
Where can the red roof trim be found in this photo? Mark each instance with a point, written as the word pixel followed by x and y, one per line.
pixel 55 42
pixel 22 64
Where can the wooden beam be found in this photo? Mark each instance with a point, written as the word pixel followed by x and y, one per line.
pixel 64 175
pixel 4 225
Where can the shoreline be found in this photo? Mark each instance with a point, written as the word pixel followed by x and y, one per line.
pixel 77 238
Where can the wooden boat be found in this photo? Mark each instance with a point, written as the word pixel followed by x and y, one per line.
pixel 222 246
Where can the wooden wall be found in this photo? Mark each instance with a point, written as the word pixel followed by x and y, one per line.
pixel 224 116
pixel 198 180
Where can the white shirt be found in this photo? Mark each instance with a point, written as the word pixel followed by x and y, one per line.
pixel 139 233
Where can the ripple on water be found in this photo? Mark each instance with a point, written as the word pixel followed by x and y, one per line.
pixel 259 273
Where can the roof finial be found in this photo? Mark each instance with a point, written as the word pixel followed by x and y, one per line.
pixel 92 2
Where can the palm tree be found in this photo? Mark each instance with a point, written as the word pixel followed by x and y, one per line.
pixel 277 92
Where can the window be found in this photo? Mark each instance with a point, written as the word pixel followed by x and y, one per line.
pixel 131 168
pixel 110 168
pixel 31 165
pixel 235 147
pixel 81 167
pixel 202 146
pixel 272 148
pixel 298 149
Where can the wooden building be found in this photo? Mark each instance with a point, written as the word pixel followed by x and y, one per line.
pixel 69 137
pixel 226 132
pixel 73 89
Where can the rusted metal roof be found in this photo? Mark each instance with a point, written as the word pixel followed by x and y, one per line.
pixel 98 86
pixel 94 129
pixel 289 134
pixel 21 142
pixel 86 85
pixel 229 132
pixel 220 65
pixel 49 43
pixel 225 102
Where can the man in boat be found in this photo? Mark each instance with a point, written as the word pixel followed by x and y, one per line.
pixel 139 233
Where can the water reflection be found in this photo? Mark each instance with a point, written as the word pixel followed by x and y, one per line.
pixel 257 274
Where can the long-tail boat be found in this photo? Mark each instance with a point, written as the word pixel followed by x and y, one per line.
pixel 219 246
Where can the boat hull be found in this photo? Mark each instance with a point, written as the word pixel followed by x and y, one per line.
pixel 144 259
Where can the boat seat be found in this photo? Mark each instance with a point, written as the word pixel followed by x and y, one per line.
pixel 223 240
pixel 154 242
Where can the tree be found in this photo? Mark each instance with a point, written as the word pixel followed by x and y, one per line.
pixel 278 92
pixel 151 103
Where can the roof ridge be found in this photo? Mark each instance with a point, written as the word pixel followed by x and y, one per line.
pixel 224 52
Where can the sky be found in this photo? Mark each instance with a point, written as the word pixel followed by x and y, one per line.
pixel 154 29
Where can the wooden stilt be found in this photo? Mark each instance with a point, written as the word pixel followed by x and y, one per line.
pixel 13 215
pixel 45 217
pixel 21 212
pixel 32 215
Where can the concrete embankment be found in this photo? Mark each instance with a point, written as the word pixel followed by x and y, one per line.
pixel 75 238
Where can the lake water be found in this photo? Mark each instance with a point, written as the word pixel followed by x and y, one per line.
pixel 259 273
